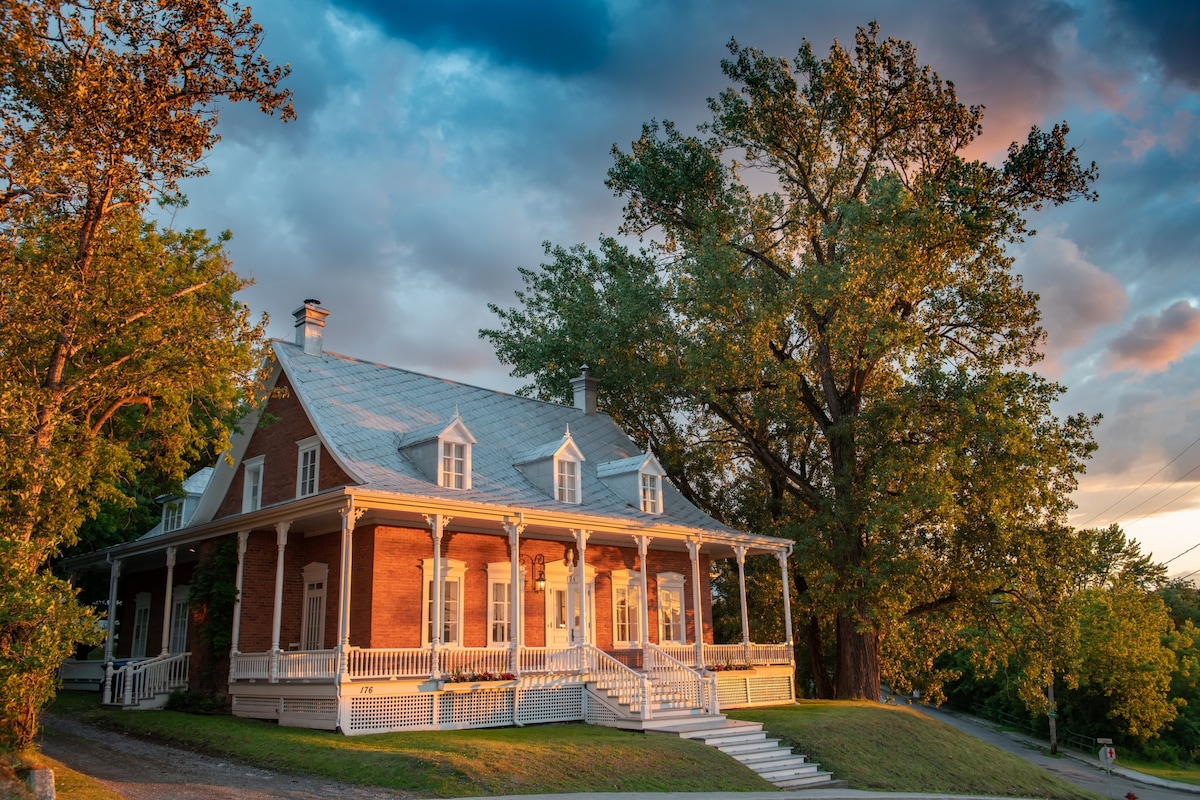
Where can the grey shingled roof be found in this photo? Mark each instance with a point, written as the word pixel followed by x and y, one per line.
pixel 364 412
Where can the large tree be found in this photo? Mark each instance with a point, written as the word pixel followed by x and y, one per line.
pixel 823 337
pixel 122 347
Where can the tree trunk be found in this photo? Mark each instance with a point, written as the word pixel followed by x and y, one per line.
pixel 816 656
pixel 857 674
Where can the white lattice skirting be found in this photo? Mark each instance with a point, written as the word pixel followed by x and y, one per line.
pixel 453 710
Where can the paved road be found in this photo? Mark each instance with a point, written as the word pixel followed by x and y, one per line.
pixel 1082 772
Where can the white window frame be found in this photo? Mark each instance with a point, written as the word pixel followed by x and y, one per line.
pixel 252 483
pixel 566 480
pixel 172 516
pixel 308 466
pixel 453 574
pixel 141 625
pixel 651 492
pixel 448 459
pixel 499 603
pixel 180 614
pixel 316 590
pixel 671 584
pixel 626 608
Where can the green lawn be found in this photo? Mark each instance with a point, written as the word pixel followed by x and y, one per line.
pixel 1172 772
pixel 894 749
pixel 533 759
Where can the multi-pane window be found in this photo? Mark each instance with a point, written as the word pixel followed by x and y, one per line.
pixel 499 610
pixel 450 618
pixel 252 483
pixel 307 467
pixel 179 621
pixel 670 608
pixel 453 572
pixel 650 494
pixel 567 482
pixel 626 610
pixel 141 625
pixel 312 631
pixel 173 516
pixel 454 463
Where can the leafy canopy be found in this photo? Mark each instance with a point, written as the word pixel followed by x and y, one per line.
pixel 823 337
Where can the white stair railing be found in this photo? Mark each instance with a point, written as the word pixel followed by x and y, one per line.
pixel 142 680
pixel 675 682
pixel 630 687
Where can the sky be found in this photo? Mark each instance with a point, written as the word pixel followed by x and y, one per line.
pixel 439 144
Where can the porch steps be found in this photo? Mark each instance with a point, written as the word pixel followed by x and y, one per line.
pixel 748 743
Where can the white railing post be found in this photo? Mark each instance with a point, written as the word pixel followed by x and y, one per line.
pixel 281 533
pixel 740 550
pixel 693 546
pixel 782 555
pixel 715 701
pixel 647 695
pixel 243 539
pixel 170 601
pixel 351 514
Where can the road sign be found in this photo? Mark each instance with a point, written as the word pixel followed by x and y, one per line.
pixel 1107 755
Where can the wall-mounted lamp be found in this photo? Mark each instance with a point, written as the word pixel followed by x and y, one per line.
pixel 537 565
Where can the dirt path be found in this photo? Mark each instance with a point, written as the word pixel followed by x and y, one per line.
pixel 139 770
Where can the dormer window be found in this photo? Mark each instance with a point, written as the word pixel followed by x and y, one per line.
pixel 555 468
pixel 172 516
pixel 441 452
pixel 567 482
pixel 637 479
pixel 308 464
pixel 454 465
pixel 651 500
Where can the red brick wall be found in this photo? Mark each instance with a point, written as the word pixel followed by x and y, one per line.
pixel 276 442
pixel 153 581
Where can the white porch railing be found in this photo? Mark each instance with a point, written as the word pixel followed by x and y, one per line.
pixel 474 660
pixel 308 665
pixel 550 659
pixel 753 655
pixel 250 666
pixel 395 662
pixel 142 680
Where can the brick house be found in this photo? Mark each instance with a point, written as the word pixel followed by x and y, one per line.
pixel 418 553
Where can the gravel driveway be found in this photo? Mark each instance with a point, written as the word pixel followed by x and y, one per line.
pixel 140 770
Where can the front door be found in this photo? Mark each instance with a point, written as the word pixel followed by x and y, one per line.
pixel 562 608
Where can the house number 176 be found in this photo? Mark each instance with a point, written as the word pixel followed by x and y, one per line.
pixel 366 689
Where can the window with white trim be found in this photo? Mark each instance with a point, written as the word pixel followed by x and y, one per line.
pixel 178 640
pixel 454 465
pixel 172 519
pixel 141 625
pixel 453 575
pixel 252 483
pixel 566 482
pixel 308 466
pixel 670 608
pixel 626 608
pixel 499 594
pixel 651 494
pixel 316 586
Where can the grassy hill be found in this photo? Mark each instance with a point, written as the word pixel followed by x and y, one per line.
pixel 870 746
pixel 895 749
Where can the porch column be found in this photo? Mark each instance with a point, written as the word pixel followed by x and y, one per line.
pixel 114 572
pixel 350 517
pixel 740 550
pixel 170 607
pixel 644 606
pixel 243 540
pixel 782 555
pixel 436 524
pixel 281 532
pixel 693 546
pixel 581 537
pixel 516 595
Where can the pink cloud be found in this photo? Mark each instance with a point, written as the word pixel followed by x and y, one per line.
pixel 1153 342
pixel 1076 296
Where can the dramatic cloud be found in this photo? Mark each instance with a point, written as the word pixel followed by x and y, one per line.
pixel 1076 297
pixel 1154 341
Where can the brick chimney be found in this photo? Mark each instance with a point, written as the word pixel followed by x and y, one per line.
pixel 585 391
pixel 310 326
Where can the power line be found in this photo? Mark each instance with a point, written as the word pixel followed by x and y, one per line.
pixel 1181 555
pixel 1143 483
pixel 1160 491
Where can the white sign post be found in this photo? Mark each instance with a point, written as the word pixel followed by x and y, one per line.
pixel 1108 755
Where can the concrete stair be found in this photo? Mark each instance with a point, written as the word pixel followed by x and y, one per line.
pixel 749 744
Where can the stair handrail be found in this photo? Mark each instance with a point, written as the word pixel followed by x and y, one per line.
pixel 628 683
pixel 141 680
pixel 666 672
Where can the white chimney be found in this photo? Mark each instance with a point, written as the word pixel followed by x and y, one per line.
pixel 310 326
pixel 585 391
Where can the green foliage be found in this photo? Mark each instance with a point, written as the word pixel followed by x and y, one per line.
pixel 830 359
pixel 197 703
pixel 123 354
pixel 211 598
pixel 40 623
